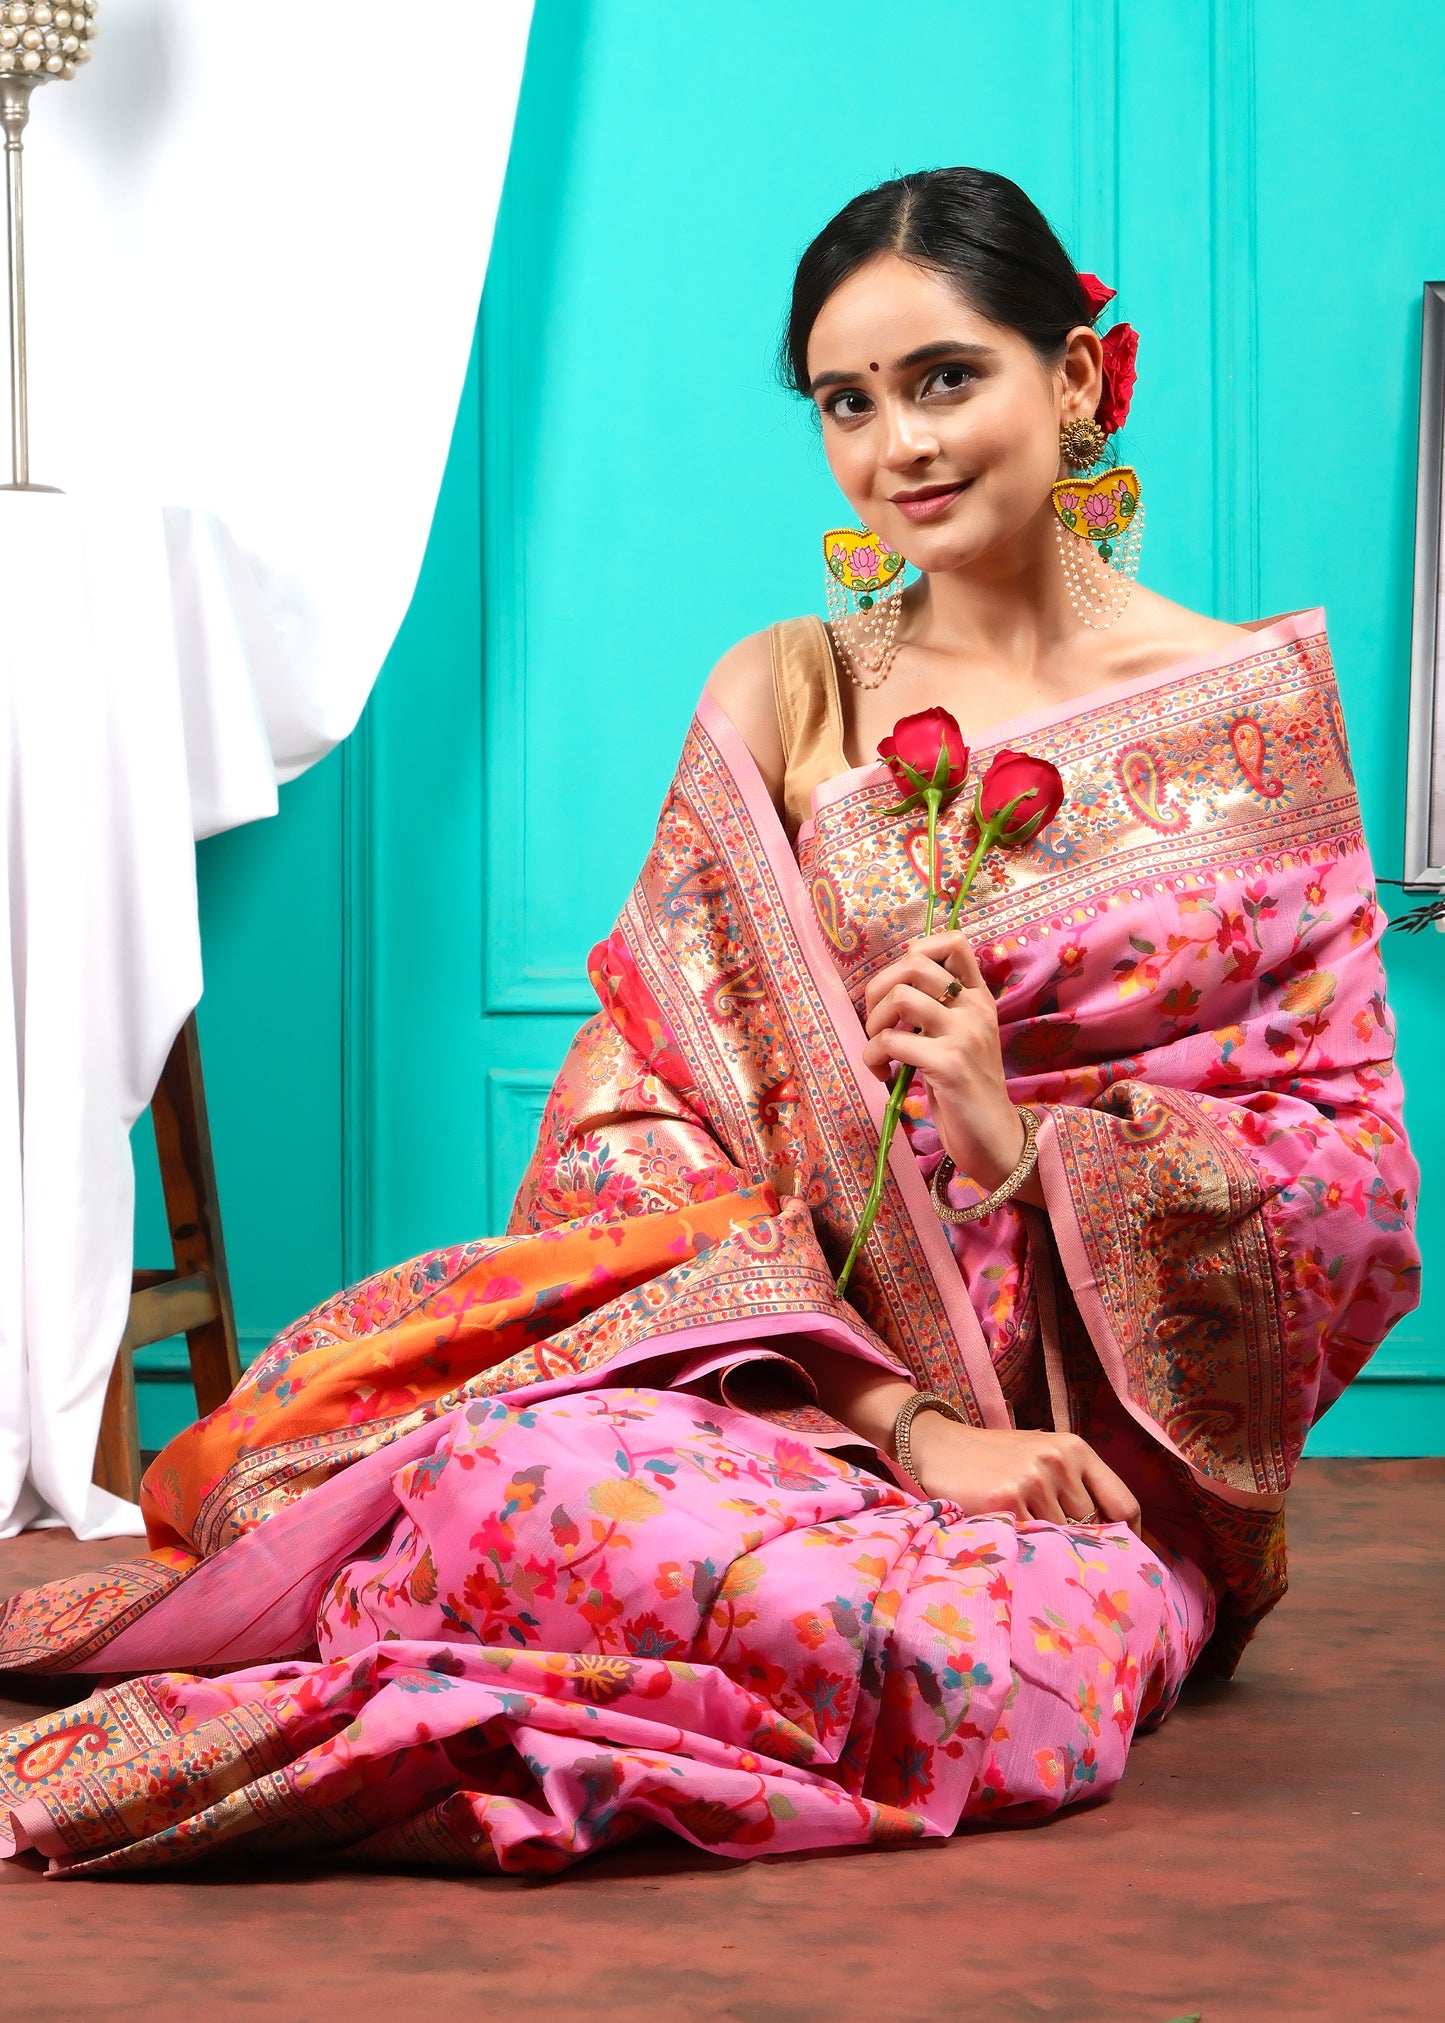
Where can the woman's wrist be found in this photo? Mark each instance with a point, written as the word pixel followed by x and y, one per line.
pixel 988 1157
pixel 922 1405
pixel 1018 1181
pixel 931 1434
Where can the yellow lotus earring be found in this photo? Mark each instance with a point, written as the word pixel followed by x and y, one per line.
pixel 1100 526
pixel 860 568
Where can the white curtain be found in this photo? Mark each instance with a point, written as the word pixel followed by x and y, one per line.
pixel 256 240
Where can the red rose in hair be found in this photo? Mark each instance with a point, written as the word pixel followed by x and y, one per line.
pixel 1012 774
pixel 1096 294
pixel 1121 349
pixel 926 751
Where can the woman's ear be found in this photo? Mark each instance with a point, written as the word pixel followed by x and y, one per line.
pixel 1081 373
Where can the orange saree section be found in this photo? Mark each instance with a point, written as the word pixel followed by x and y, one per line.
pixel 389 1352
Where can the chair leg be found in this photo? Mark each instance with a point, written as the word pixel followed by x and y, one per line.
pixel 117 1453
pixel 188 1181
pixel 194 1296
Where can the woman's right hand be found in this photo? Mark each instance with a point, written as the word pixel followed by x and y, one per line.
pixel 1055 1477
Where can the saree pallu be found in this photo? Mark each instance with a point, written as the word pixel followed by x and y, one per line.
pixel 1189 990
pixel 1187 973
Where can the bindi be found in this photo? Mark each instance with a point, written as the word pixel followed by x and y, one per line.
pixel 873 368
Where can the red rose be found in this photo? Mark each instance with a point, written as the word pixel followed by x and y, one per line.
pixel 1121 349
pixel 1012 774
pixel 926 750
pixel 1095 293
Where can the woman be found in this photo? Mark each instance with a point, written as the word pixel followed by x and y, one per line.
pixel 628 1516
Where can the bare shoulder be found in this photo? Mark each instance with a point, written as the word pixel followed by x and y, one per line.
pixel 1163 632
pixel 742 686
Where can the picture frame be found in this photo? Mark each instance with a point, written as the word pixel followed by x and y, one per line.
pixel 1425 778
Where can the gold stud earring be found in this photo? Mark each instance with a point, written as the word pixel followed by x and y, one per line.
pixel 1081 442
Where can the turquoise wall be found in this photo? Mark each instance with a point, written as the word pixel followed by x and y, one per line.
pixel 395 964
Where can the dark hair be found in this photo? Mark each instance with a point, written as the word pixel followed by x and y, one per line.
pixel 977 229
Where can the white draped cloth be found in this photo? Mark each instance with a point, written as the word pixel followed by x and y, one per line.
pixel 256 239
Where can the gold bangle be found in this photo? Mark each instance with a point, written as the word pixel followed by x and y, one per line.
pixel 921 1401
pixel 1005 1190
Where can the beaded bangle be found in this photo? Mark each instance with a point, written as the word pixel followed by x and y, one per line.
pixel 921 1401
pixel 1005 1190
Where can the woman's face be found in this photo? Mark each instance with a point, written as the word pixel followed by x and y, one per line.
pixel 941 427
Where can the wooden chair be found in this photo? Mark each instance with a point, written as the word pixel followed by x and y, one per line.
pixel 193 1297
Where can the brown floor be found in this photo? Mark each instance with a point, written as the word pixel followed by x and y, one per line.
pixel 1275 1854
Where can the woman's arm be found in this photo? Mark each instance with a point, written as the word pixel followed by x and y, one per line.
pixel 742 685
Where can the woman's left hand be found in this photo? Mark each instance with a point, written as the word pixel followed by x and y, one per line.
pixel 914 1016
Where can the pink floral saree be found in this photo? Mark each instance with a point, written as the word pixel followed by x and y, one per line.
pixel 529 1543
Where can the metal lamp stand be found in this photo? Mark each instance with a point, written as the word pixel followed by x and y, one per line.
pixel 14 112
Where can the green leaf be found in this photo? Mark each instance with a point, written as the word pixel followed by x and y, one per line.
pixel 1194 2016
pixel 782 1807
pixel 1142 947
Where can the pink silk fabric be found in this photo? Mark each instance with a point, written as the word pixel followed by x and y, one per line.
pixel 631 1607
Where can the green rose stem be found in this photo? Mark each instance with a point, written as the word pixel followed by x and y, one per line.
pixel 990 833
pixel 932 800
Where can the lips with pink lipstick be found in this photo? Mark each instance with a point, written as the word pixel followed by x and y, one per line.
pixel 927 502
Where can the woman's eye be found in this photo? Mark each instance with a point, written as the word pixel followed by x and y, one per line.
pixel 847 406
pixel 949 379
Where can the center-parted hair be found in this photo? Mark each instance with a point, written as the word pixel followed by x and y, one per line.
pixel 975 228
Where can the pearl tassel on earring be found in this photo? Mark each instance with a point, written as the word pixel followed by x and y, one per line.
pixel 866 636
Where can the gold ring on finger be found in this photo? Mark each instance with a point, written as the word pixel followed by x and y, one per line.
pixel 955 989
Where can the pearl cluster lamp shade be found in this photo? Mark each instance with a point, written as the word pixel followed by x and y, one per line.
pixel 46 38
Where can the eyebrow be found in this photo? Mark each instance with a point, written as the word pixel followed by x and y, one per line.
pixel 926 354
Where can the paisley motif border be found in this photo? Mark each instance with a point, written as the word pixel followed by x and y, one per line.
pixel 1105 849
